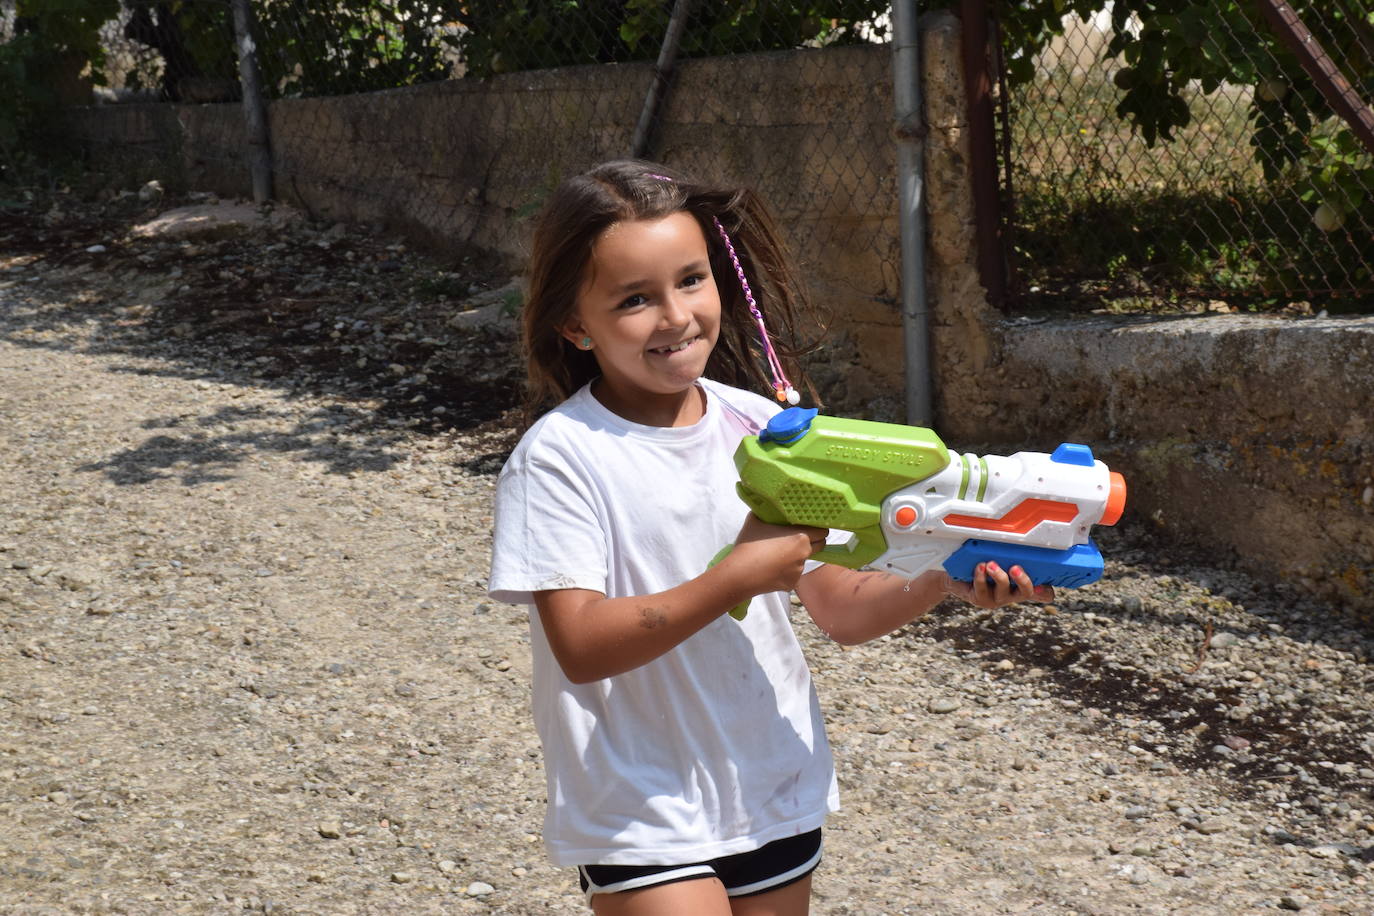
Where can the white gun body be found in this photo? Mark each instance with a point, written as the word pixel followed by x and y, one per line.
pixel 1027 499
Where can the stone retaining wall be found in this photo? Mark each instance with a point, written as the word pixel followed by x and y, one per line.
pixel 1252 435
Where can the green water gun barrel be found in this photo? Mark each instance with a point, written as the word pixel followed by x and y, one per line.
pixel 830 472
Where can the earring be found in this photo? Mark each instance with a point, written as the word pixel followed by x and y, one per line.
pixel 585 343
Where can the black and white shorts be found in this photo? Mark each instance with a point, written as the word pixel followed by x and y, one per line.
pixel 768 868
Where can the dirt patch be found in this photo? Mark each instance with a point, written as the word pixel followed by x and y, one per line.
pixel 336 309
pixel 247 662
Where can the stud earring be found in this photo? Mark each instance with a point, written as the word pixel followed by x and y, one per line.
pixel 586 343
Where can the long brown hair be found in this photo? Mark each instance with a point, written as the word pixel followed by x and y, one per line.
pixel 584 207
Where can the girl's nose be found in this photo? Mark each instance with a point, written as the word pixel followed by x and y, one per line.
pixel 674 313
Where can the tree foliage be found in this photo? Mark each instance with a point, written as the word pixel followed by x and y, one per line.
pixel 356 45
pixel 303 48
pixel 1170 49
pixel 501 36
pixel 46 60
pixel 1170 46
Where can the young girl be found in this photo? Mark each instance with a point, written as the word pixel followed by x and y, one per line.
pixel 687 764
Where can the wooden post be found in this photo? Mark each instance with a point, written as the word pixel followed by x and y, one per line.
pixel 663 72
pixel 254 106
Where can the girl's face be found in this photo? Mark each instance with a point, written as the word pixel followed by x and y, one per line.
pixel 651 308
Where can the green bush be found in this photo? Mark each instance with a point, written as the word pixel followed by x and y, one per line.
pixel 53 55
pixel 354 45
pixel 502 36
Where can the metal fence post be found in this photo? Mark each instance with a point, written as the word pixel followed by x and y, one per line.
pixel 254 106
pixel 910 132
pixel 1334 87
pixel 982 134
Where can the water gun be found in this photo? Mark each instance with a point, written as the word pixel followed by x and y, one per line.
pixel 910 504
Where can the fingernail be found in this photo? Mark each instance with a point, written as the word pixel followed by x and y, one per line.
pixel 993 567
pixel 1016 570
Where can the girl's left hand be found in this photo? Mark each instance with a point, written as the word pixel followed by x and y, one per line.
pixel 992 587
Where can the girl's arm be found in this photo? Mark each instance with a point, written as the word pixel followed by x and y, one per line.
pixel 854 607
pixel 595 637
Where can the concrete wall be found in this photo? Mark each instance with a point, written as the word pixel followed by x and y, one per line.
pixel 1248 435
pixel 1252 435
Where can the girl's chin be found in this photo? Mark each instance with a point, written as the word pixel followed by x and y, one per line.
pixel 659 385
pixel 676 371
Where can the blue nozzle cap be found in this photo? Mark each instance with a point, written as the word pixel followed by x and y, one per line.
pixel 1073 453
pixel 789 425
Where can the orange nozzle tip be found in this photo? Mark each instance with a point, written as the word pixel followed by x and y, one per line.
pixel 1116 500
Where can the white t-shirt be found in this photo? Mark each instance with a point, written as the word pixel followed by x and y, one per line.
pixel 716 747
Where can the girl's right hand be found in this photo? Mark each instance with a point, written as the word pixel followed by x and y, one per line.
pixel 772 557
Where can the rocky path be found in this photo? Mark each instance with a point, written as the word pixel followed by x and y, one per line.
pixel 247 663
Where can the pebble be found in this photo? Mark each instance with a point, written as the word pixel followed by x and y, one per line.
pixel 330 830
pixel 479 889
pixel 75 578
pixel 943 705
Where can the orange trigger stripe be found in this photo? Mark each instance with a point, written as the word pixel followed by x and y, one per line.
pixel 1024 516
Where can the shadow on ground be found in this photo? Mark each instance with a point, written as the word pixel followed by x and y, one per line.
pixel 213 445
pixel 306 309
pixel 1204 719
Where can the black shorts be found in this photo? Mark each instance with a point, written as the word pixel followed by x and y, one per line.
pixel 780 863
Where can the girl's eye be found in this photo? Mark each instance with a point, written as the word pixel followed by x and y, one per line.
pixel 633 302
pixel 694 280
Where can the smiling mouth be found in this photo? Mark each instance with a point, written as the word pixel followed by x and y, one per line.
pixel 677 347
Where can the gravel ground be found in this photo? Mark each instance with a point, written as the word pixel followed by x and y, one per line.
pixel 247 662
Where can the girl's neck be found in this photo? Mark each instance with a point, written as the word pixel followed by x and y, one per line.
pixel 684 408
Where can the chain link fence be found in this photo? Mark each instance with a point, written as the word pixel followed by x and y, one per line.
pixel 363 100
pixel 1257 195
pixel 184 50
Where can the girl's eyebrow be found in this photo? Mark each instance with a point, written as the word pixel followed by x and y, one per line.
pixel 691 267
pixel 627 287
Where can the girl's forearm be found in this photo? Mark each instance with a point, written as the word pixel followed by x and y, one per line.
pixel 854 607
pixel 595 637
